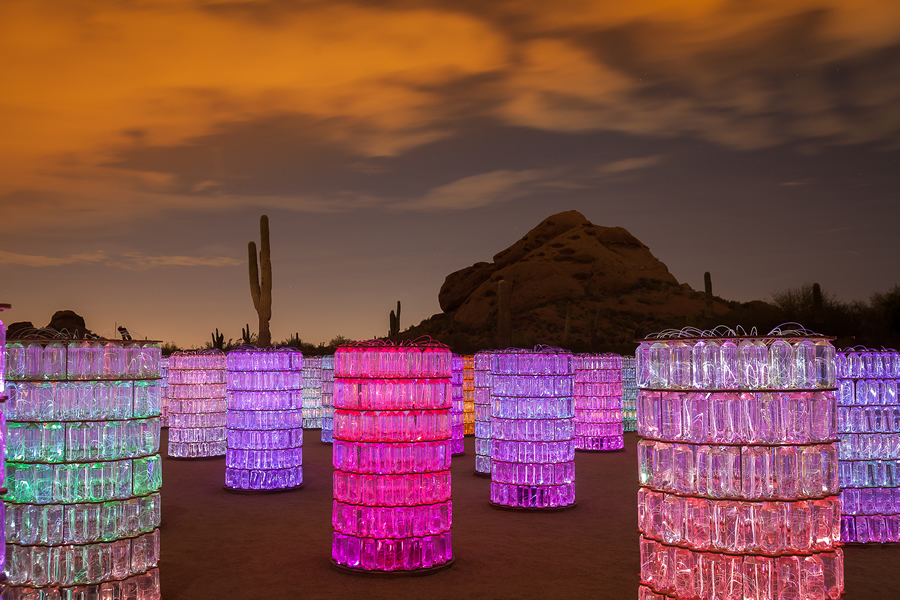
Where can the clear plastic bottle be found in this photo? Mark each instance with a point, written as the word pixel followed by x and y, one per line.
pixel 825 364
pixel 805 365
pixel 728 376
pixel 697 364
pixel 781 365
pixel 642 365
pixel 712 365
pixel 753 364
pixel 681 360
pixel 660 358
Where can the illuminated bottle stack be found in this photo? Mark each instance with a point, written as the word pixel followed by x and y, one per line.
pixel 2 438
pixel 312 392
pixel 197 404
pixel 629 394
pixel 265 413
pixel 327 398
pixel 869 427
pixel 482 393
pixel 738 468
pixel 164 391
pixel 392 494
pixel 83 469
pixel 468 388
pixel 598 402
pixel 532 429
pixel 457 444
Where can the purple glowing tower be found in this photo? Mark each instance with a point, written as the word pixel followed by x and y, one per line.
pixel 264 420
pixel 482 400
pixel 869 427
pixel 598 402
pixel 738 468
pixel 392 506
pixel 532 429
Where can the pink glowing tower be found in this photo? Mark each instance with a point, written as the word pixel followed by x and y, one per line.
pixel 392 506
pixel 738 467
pixel 598 402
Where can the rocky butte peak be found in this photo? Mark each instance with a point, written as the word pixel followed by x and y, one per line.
pixel 566 257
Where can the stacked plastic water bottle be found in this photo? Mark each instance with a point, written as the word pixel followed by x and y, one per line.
pixel 468 395
pixel 312 392
pixel 532 428
pixel 457 445
pixel 2 434
pixel 265 412
pixel 83 469
pixel 738 468
pixel 327 397
pixel 869 427
pixel 392 500
pixel 598 402
pixel 482 393
pixel 629 394
pixel 197 404
pixel 164 391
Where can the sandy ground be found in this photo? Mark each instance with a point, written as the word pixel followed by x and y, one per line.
pixel 217 544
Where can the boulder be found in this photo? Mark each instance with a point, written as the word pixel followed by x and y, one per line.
pixel 566 257
pixel 17 329
pixel 70 322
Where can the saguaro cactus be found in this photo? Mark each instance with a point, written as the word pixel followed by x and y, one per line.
pixel 218 340
pixel 707 281
pixel 261 282
pixel 817 307
pixel 395 321
pixel 504 325
pixel 594 329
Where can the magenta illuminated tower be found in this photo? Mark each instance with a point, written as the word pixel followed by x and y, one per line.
pixel 532 429
pixel 456 412
pixel 598 402
pixel 264 420
pixel 738 468
pixel 392 498
pixel 869 427
pixel 327 398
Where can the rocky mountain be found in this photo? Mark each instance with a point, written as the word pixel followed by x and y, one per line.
pixel 601 281
pixel 566 257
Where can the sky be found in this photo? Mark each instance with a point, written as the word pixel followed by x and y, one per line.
pixel 393 142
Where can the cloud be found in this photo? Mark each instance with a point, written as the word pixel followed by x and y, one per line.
pixel 799 182
pixel 29 260
pixel 97 89
pixel 629 164
pixel 132 261
pixel 476 191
